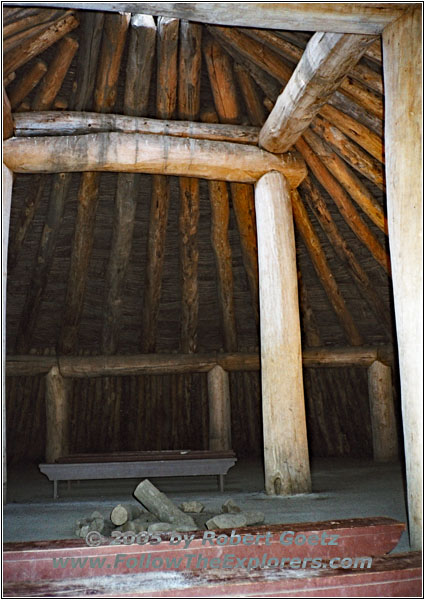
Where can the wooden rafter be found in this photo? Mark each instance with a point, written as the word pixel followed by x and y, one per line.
pixel 324 64
pixel 24 85
pixel 324 273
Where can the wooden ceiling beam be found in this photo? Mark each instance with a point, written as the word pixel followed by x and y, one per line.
pixel 325 62
pixel 79 123
pixel 154 154
pixel 342 17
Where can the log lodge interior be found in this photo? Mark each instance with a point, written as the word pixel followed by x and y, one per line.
pixel 212 225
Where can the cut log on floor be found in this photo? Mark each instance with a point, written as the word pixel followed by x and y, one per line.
pixel 157 503
pixel 124 512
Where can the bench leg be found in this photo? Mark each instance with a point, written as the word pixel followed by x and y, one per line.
pixel 55 489
pixel 221 483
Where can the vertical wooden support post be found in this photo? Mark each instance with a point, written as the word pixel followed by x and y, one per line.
pixel 57 422
pixel 6 204
pixel 384 428
pixel 220 437
pixel 402 53
pixel 286 461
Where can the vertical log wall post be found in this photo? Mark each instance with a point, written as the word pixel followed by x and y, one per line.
pixel 57 422
pixel 384 427
pixel 220 437
pixel 402 54
pixel 6 204
pixel 286 460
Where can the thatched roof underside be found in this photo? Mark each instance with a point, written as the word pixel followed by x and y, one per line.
pixel 372 329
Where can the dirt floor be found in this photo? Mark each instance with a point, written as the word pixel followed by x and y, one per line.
pixel 342 488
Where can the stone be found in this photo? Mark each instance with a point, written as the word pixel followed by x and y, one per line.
pixel 155 527
pixel 227 521
pixel 192 507
pixel 254 517
pixel 230 507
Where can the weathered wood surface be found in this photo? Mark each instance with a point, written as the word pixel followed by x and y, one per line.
pixel 141 54
pixel 90 38
pixel 345 206
pixel 220 212
pixel 53 79
pixel 367 288
pixel 255 108
pixel 325 62
pixel 8 121
pixel 189 78
pixel 78 123
pixel 114 35
pixel 98 366
pixel 189 254
pixel 324 273
pixel 286 459
pixel 364 137
pixel 348 179
pixel 167 49
pixel 27 22
pixel 32 202
pixel 403 138
pixel 158 218
pixel 220 434
pixel 244 208
pixel 135 153
pixel 22 53
pixel 157 503
pixel 357 17
pixel 382 413
pixel 43 260
pixel 80 257
pixel 27 82
pixel 23 37
pixel 7 186
pixel 57 416
pixel 355 156
pixel 124 512
pixel 221 77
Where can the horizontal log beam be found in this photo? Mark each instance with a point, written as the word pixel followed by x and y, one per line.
pixel 29 124
pixel 162 155
pixel 352 17
pixel 160 364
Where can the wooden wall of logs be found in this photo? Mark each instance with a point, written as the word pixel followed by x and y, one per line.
pixel 105 264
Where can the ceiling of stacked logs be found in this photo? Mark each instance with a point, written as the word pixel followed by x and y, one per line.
pixel 130 263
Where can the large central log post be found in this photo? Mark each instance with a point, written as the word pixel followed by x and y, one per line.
pixel 402 51
pixel 384 425
pixel 285 435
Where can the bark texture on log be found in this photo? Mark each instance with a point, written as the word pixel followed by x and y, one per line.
pixel 20 90
pixel 167 50
pixel 22 53
pixel 345 206
pixel 141 54
pixel 323 270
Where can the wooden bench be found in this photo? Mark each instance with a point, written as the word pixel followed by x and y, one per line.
pixel 129 465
